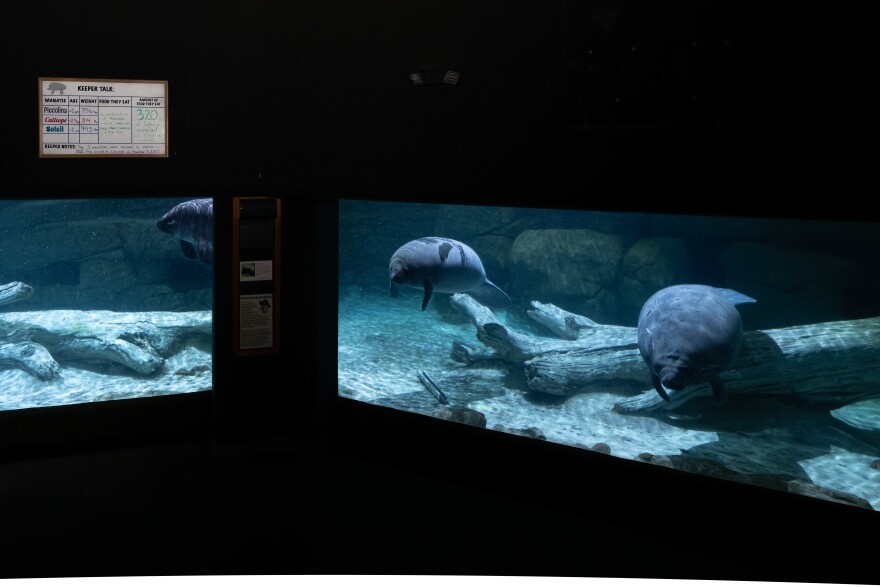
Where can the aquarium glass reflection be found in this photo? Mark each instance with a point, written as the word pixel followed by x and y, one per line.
pixel 742 348
pixel 104 299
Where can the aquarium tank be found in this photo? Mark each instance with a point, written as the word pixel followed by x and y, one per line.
pixel 746 349
pixel 104 299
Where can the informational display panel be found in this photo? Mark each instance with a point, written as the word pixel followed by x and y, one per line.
pixel 256 258
pixel 103 118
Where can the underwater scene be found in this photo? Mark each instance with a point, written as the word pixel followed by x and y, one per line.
pixel 104 299
pixel 741 348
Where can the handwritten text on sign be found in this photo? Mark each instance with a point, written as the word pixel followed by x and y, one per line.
pixel 103 117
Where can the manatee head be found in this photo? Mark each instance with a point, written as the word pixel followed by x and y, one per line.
pixel 400 273
pixel 191 220
pixel 167 223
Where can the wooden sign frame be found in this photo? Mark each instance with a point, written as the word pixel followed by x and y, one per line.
pixel 267 270
pixel 90 117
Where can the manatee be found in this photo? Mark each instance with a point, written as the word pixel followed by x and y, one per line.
pixel 688 334
pixel 444 265
pixel 193 223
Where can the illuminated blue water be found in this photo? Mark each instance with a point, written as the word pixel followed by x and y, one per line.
pixel 113 307
pixel 603 266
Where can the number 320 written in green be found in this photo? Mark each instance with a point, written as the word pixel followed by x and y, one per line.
pixel 147 114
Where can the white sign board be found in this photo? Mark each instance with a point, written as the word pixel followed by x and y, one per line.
pixel 255 316
pixel 103 118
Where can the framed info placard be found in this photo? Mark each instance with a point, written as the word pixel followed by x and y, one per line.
pixel 102 117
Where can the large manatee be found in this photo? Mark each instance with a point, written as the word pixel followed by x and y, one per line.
pixel 193 223
pixel 688 334
pixel 440 264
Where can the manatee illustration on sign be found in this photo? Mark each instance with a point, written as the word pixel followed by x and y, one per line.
pixel 56 87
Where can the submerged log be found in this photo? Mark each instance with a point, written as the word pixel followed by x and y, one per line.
pixel 14 292
pixel 29 357
pixel 824 366
pixel 139 341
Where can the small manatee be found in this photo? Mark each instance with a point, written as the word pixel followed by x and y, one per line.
pixel 444 265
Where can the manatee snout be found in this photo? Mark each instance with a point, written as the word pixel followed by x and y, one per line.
pixel 395 276
pixel 675 378
pixel 165 223
pixel 399 273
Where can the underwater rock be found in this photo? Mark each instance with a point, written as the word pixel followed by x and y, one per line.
pixel 575 269
pixel 798 287
pixel 648 266
pixel 189 372
pixel 710 468
pixel 811 490
pixel 602 448
pixel 662 460
pixel 95 262
pixel 530 432
pixel 462 416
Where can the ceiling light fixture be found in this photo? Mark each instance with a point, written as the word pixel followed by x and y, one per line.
pixel 435 76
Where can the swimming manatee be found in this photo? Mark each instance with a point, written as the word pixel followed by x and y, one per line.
pixel 688 334
pixel 192 222
pixel 440 264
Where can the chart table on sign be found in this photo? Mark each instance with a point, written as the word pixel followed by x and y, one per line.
pixel 103 117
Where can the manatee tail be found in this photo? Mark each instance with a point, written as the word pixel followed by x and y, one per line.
pixel 735 297
pixel 490 295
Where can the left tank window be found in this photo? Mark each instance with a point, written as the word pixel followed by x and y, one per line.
pixel 104 299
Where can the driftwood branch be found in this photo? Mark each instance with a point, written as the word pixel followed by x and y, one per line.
pixel 825 365
pixel 139 341
pixel 14 292
pixel 29 357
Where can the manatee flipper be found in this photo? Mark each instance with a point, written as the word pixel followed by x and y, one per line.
pixel 189 250
pixel 659 386
pixel 395 291
pixel 429 289
pixel 491 295
pixel 205 251
pixel 718 391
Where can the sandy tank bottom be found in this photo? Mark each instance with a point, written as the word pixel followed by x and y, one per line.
pixel 383 342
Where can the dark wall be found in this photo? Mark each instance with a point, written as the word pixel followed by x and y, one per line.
pixel 310 101
pixel 304 97
pixel 684 105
